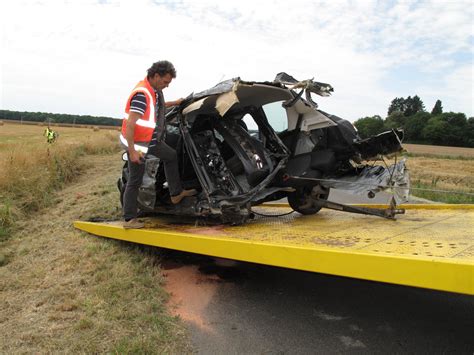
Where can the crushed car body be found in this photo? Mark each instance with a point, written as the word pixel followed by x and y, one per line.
pixel 231 151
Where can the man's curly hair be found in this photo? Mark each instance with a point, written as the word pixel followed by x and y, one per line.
pixel 162 68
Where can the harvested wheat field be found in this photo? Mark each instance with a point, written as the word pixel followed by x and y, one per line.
pixel 31 169
pixel 13 133
pixel 439 151
pixel 450 169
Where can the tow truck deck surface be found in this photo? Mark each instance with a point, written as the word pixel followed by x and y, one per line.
pixel 431 246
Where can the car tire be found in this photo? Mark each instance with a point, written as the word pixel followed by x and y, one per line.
pixel 303 200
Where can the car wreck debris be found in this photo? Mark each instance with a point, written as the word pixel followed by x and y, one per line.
pixel 230 149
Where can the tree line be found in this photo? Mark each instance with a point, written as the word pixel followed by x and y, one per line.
pixel 421 127
pixel 59 118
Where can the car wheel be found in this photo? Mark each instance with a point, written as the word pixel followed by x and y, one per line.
pixel 303 200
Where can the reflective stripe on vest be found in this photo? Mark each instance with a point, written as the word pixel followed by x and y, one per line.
pixel 138 148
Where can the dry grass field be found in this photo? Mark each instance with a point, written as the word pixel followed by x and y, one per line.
pixel 455 177
pixel 31 169
pixel 63 291
pixel 450 169
pixel 12 134
pixel 439 151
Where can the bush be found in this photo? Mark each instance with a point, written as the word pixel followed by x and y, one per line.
pixel 449 129
pixel 414 126
pixel 369 126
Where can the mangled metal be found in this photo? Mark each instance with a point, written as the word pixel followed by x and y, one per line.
pixel 370 180
pixel 234 169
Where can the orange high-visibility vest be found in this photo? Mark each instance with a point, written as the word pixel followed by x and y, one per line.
pixel 145 125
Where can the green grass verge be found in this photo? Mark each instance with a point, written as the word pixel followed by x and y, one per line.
pixel 450 196
pixel 69 292
pixel 126 297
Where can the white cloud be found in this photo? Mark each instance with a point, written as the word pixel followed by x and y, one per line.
pixel 84 57
pixel 457 91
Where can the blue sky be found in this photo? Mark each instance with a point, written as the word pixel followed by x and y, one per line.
pixel 84 56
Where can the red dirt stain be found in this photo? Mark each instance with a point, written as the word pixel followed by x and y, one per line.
pixel 191 293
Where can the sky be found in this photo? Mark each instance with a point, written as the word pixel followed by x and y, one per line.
pixel 84 57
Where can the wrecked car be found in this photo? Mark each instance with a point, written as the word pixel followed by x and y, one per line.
pixel 243 143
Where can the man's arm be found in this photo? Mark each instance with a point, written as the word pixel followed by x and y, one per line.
pixel 133 117
pixel 173 103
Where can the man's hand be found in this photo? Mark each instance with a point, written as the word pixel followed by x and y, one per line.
pixel 174 103
pixel 135 156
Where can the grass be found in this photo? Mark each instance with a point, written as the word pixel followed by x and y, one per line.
pixel 432 155
pixel 62 290
pixel 32 171
pixel 6 220
pixel 450 172
pixel 67 291
pixel 439 151
pixel 428 191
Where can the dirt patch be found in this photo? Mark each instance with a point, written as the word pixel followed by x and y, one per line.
pixel 191 294
pixel 194 282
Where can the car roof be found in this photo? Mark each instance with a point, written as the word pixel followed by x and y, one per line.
pixel 240 94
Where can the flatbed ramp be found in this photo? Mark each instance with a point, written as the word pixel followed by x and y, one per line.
pixel 431 246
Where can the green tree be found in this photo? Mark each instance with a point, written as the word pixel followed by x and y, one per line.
pixel 449 128
pixel 435 130
pixel 408 106
pixel 58 118
pixel 396 120
pixel 397 105
pixel 437 108
pixel 414 127
pixel 369 126
pixel 413 105
pixel 470 133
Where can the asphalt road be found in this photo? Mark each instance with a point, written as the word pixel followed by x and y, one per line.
pixel 254 309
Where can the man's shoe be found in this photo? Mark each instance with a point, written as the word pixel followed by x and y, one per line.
pixel 133 224
pixel 185 193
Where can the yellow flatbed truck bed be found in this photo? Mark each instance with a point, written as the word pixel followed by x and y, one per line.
pixel 431 246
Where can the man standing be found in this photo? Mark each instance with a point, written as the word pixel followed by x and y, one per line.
pixel 50 135
pixel 143 130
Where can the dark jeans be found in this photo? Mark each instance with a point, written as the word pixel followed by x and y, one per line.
pixel 135 177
